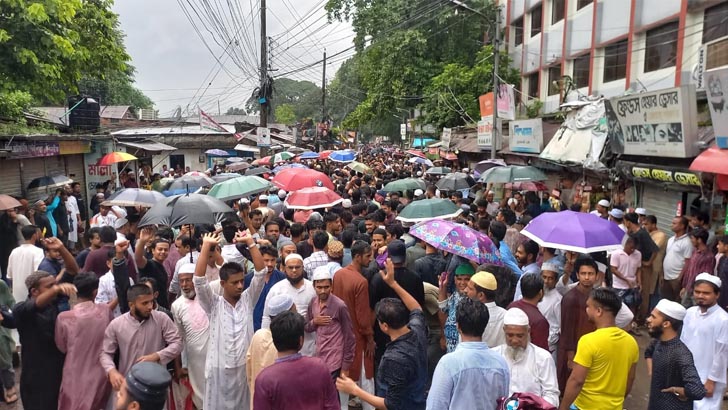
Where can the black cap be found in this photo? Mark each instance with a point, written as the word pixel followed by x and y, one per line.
pixel 148 382
pixel 397 251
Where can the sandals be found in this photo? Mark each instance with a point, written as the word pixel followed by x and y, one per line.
pixel 10 395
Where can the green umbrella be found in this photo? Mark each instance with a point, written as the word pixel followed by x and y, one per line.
pixel 239 187
pixel 402 185
pixel 359 167
pixel 512 173
pixel 438 171
pixel 426 209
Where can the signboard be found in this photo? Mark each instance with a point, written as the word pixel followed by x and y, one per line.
pixel 74 147
pixel 486 105
pixel 445 138
pixel 526 136
pixel 506 103
pixel 666 175
pixel 403 130
pixel 96 174
pixel 716 88
pixel 699 72
pixel 262 137
pixel 658 124
pixel 26 149
pixel 485 133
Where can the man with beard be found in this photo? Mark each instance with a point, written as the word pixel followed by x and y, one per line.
pixel 675 381
pixel 272 276
pixel 526 255
pixel 604 365
pixel 140 335
pixel 231 324
pixel 301 291
pixel 482 287
pixel 39 217
pixel 532 368
pixel 472 376
pixel 705 333
pixel 193 326
pixel 550 304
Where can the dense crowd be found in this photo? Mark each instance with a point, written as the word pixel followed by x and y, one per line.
pixel 278 308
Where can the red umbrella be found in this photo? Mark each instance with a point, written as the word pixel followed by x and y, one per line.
pixel 293 179
pixel 114 157
pixel 325 154
pixel 313 198
pixel 528 186
pixel 713 160
pixel 417 153
pixel 262 161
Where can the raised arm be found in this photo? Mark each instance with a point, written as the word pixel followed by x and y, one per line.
pixel 388 277
pixel 69 262
pixel 202 288
pixel 145 235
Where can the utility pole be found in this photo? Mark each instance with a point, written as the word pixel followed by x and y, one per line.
pixel 495 136
pixel 264 103
pixel 323 97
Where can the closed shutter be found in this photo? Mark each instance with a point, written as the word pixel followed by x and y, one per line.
pixel 33 168
pixel 75 170
pixel 662 204
pixel 10 183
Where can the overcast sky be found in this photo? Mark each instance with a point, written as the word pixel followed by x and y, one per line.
pixel 172 62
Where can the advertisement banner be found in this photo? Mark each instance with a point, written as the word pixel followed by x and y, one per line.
pixel 262 137
pixel 658 124
pixel 74 147
pixel 22 149
pixel 526 136
pixel 485 133
pixel 506 103
pixel 445 138
pixel 716 88
pixel 486 105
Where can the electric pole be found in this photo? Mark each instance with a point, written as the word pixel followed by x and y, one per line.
pixel 263 96
pixel 496 59
pixel 323 91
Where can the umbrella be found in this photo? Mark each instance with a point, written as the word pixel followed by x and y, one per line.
pixel 527 186
pixel 238 166
pixel 257 171
pixel 416 153
pixel 312 198
pixel 135 197
pixel 512 173
pixel 233 160
pixel 483 166
pixel 8 202
pixel 309 155
pixel 325 154
pixel 49 181
pixel 224 176
pixel 421 161
pixel 262 161
pixel 288 166
pixel 574 231
pixel 281 157
pixel 457 239
pixel 239 187
pixel 295 150
pixel 438 171
pixel 187 209
pixel 295 179
pixel 455 182
pixel 191 181
pixel 711 160
pixel 114 157
pixel 342 156
pixel 405 184
pixel 426 209
pixel 359 167
pixel 217 152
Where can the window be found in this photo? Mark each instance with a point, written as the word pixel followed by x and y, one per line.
pixel 518 31
pixel 661 47
pixel 533 85
pixel 554 76
pixel 536 15
pixel 714 22
pixel 615 61
pixel 557 11
pixel 582 3
pixel 581 71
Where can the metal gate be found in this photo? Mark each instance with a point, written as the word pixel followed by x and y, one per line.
pixel 10 183
pixel 662 204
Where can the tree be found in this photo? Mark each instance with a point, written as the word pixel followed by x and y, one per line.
pixel 115 89
pixel 304 97
pixel 235 111
pixel 285 114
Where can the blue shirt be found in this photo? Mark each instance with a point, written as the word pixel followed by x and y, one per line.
pixel 275 277
pixel 471 377
pixel 346 261
pixel 508 259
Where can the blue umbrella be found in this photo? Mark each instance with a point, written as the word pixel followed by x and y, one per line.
pixel 282 167
pixel 342 156
pixel 421 161
pixel 309 155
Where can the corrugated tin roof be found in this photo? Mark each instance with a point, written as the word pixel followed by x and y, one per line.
pixel 149 146
pixel 114 111
pixel 53 114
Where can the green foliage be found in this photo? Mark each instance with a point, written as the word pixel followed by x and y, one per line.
pixel 20 128
pixel 235 111
pixel 533 109
pixel 13 104
pixel 48 46
pixel 304 97
pixel 285 114
pixel 115 89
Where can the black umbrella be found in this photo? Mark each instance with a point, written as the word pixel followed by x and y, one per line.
pixel 187 209
pixel 257 171
pixel 455 182
pixel 191 182
pixel 49 181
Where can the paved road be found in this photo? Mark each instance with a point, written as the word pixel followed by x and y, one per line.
pixel 635 401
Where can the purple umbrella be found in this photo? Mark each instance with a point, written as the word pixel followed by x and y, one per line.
pixel 487 164
pixel 457 239
pixel 574 231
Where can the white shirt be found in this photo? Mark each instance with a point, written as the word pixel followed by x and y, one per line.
pixel 534 373
pixel 23 261
pixel 550 308
pixel 301 298
pixel 99 220
pixel 678 249
pixel 231 254
pixel 494 334
pixel 73 212
pixel 193 326
pixel 107 290
pixel 706 335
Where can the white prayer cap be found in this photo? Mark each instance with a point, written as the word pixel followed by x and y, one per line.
pixel 282 194
pixel 279 304
pixel 419 192
pixel 709 278
pixel 512 201
pixel 293 256
pixel 515 317
pixel 617 213
pixel 641 211
pixel 120 211
pixel 551 267
pixel 466 170
pixel 321 273
pixel 604 203
pixel 187 268
pixel 119 223
pixel 672 309
pixel 346 203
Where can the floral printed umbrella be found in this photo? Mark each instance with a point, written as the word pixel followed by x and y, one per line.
pixel 458 239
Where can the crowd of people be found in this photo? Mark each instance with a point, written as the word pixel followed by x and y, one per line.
pixel 341 307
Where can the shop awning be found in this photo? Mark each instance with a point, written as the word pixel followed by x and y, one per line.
pixel 247 148
pixel 150 146
pixel 713 160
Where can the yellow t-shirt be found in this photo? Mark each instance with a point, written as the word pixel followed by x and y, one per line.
pixel 608 353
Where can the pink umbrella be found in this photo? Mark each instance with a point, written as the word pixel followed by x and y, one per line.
pixel 293 179
pixel 417 153
pixel 312 198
